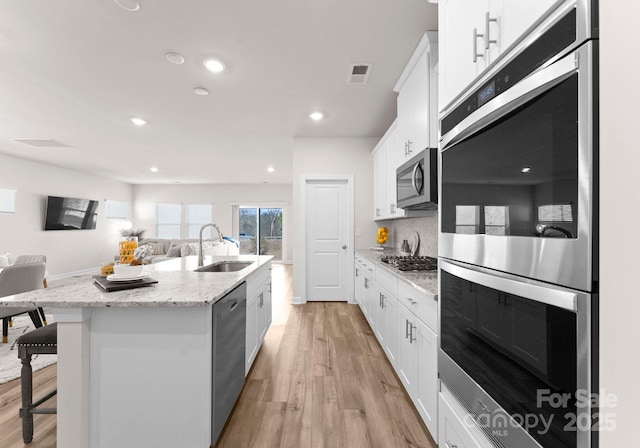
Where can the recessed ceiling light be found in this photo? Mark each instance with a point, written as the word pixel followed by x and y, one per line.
pixel 175 58
pixel 526 169
pixel 129 5
pixel 214 65
pixel 271 169
pixel 201 91
pixel 153 169
pixel 138 121
pixel 316 116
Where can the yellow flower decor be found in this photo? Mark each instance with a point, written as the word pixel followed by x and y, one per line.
pixel 382 235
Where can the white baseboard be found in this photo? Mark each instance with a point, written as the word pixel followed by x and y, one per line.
pixel 298 301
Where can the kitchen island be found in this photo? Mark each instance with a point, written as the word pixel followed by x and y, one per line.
pixel 135 366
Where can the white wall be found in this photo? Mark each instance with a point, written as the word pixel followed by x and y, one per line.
pixel 619 218
pixel 66 250
pixel 334 156
pixel 222 196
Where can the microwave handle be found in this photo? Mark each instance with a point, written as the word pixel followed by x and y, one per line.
pixel 414 182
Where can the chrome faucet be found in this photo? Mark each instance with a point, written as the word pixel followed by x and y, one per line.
pixel 200 254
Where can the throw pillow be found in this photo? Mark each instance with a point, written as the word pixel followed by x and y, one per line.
pixel 174 251
pixel 156 248
pixel 189 249
pixel 5 260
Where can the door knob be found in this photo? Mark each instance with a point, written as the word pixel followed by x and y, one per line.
pixel 344 246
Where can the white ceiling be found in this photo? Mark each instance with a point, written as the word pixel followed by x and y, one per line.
pixel 77 70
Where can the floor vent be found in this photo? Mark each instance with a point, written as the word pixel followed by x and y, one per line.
pixel 41 142
pixel 359 73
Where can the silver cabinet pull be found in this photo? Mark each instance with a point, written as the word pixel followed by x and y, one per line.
pixel 409 142
pixel 476 55
pixel 411 338
pixel 366 283
pixel 344 246
pixel 406 329
pixel 413 302
pixel 450 445
pixel 377 212
pixel 406 149
pixel 381 300
pixel 487 38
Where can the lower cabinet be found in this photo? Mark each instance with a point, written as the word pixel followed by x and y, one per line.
pixel 406 334
pixel 417 365
pixel 259 313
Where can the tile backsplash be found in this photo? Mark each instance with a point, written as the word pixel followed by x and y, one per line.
pixel 404 228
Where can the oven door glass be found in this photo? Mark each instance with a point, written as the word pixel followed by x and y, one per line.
pixel 519 175
pixel 515 349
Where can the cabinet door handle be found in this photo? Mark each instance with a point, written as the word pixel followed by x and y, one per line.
pixel 357 273
pixel 487 38
pixel 413 302
pixel 406 329
pixel 406 149
pixel 366 283
pixel 409 142
pixel 381 300
pixel 411 338
pixel 377 212
pixel 447 444
pixel 476 55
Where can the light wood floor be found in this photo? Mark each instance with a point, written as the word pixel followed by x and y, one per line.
pixel 320 380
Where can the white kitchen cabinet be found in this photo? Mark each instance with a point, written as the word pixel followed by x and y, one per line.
pixel 417 364
pixel 384 177
pixel 358 281
pixel 473 34
pixel 259 312
pixel 417 100
pixel 386 323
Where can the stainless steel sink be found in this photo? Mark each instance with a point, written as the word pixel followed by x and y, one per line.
pixel 225 266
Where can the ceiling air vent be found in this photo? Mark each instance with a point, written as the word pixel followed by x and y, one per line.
pixel 359 73
pixel 41 142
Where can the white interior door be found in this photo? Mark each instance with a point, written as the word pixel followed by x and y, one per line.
pixel 327 239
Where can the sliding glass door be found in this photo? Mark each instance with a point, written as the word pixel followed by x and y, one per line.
pixel 261 231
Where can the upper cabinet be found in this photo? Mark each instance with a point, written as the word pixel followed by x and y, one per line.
pixel 417 90
pixel 473 34
pixel 384 176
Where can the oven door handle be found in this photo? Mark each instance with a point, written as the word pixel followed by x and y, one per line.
pixel 529 289
pixel 516 96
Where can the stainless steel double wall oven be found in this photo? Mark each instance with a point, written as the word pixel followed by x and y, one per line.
pixel 519 236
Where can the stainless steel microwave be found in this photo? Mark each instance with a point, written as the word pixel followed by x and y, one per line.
pixel 417 181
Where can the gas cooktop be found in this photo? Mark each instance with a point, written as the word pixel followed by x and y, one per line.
pixel 408 263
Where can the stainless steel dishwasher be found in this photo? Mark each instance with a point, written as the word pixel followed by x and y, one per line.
pixel 229 327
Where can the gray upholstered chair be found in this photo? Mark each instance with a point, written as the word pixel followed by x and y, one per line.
pixel 26 259
pixel 16 279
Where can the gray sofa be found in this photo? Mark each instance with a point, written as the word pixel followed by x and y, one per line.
pixel 164 248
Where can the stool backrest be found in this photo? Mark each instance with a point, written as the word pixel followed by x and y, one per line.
pixel 19 278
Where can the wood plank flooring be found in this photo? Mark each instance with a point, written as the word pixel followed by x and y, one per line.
pixel 321 380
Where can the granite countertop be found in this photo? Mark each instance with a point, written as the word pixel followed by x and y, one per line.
pixel 424 281
pixel 177 286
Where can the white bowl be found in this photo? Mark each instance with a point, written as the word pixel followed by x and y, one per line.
pixel 127 271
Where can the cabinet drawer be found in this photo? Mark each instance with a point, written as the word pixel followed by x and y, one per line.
pixel 387 280
pixel 454 430
pixel 424 307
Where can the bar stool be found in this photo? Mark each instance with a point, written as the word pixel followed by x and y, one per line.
pixel 41 341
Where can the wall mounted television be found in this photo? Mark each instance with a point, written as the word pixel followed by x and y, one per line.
pixel 70 213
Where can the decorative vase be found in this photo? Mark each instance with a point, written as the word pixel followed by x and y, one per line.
pixel 128 245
